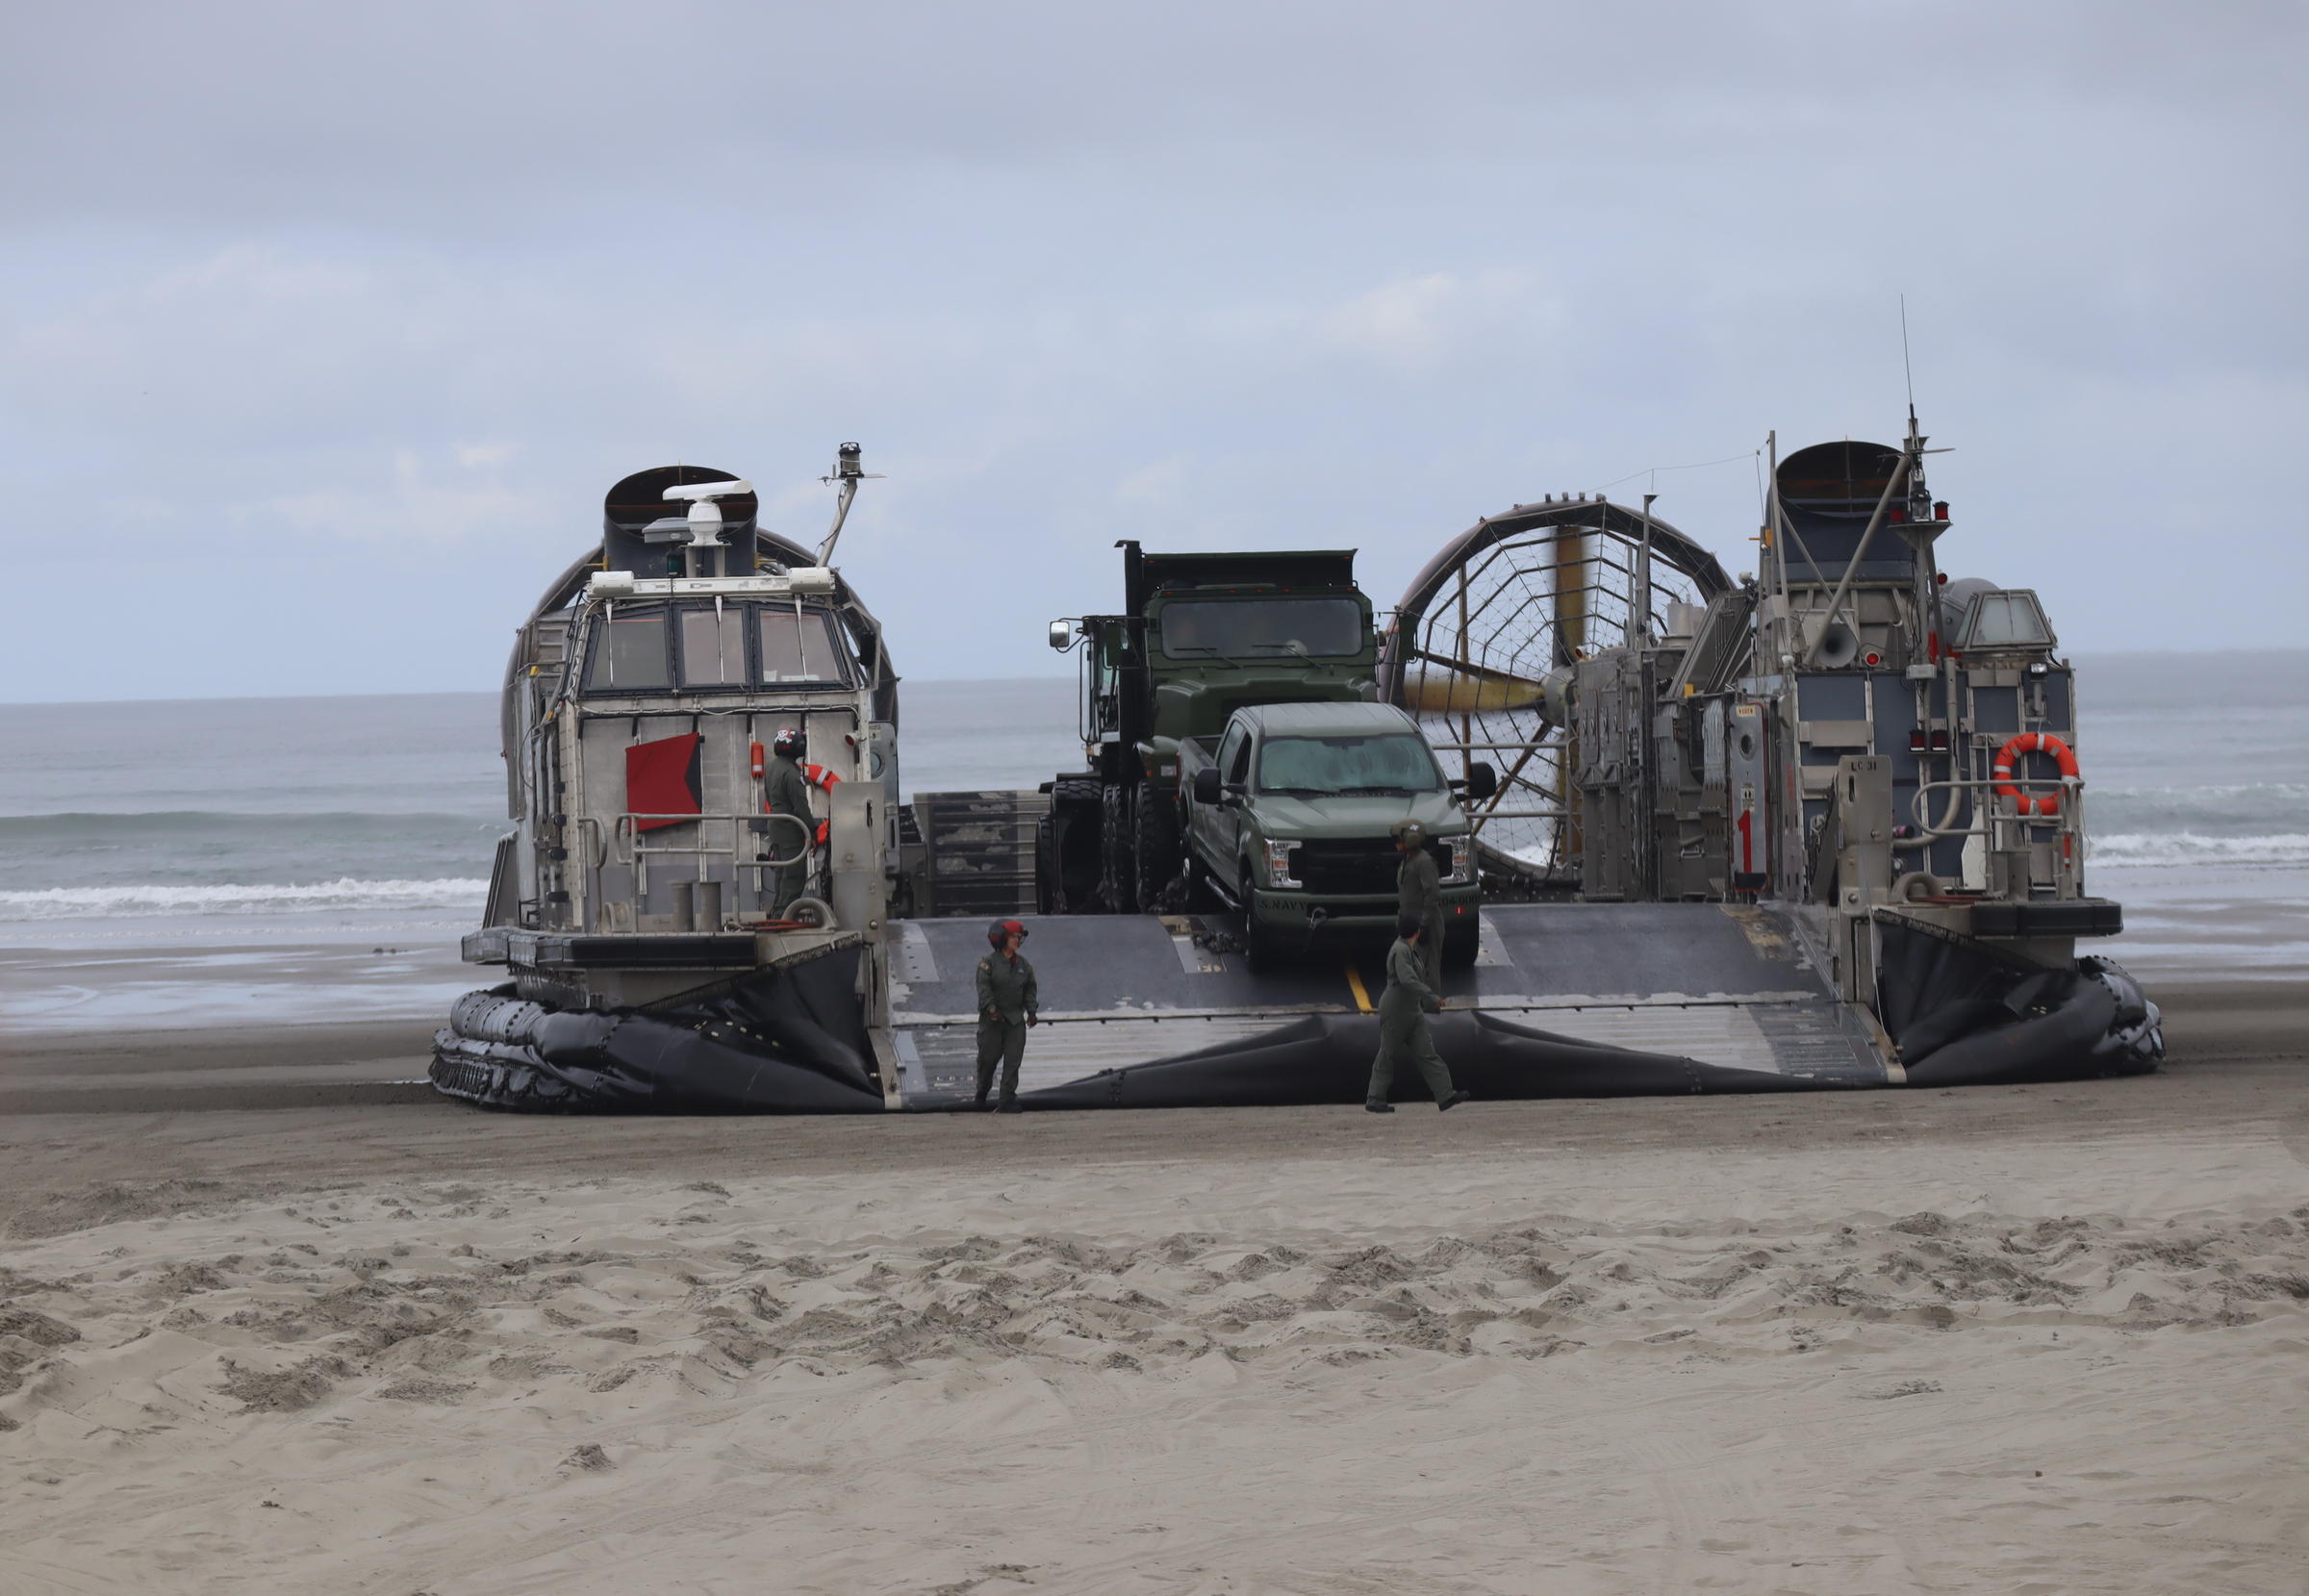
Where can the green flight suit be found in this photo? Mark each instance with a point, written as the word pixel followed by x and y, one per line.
pixel 786 791
pixel 1006 1001
pixel 1420 891
pixel 1403 1035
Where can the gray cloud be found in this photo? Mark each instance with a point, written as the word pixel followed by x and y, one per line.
pixel 343 317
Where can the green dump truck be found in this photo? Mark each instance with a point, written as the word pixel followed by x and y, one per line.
pixel 1263 661
pixel 1199 637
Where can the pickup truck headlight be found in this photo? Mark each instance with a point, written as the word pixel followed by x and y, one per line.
pixel 1278 865
pixel 1463 858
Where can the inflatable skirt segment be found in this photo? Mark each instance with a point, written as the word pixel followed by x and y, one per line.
pixel 786 1040
pixel 1569 1001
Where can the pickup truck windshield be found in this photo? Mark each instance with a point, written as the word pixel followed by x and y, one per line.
pixel 1396 762
pixel 1241 628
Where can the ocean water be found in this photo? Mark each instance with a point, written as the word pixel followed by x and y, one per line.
pixel 374 819
pixel 344 818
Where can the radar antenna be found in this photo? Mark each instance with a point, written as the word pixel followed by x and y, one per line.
pixel 704 522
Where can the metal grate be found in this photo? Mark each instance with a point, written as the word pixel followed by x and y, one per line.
pixel 981 848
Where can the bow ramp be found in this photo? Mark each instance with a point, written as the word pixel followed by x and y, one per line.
pixel 1563 999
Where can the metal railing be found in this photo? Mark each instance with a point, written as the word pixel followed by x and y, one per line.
pixel 2070 815
pixel 628 840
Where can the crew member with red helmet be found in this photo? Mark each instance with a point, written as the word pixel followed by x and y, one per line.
pixel 1008 1005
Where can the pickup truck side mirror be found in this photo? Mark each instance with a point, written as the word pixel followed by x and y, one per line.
pixel 1206 784
pixel 1482 781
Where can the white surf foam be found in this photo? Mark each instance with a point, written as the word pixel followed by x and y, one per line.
pixel 2190 848
pixel 343 892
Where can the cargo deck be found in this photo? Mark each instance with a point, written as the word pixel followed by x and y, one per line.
pixel 1733 988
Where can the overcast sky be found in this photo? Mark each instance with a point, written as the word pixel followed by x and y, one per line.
pixel 326 326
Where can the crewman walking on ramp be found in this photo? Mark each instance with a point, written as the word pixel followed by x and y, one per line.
pixel 786 791
pixel 1008 1005
pixel 1403 1035
pixel 1419 896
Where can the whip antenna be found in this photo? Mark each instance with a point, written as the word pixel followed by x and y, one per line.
pixel 1906 369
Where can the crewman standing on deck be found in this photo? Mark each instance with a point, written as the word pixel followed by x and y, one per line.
pixel 1403 1035
pixel 1008 1005
pixel 1419 895
pixel 786 791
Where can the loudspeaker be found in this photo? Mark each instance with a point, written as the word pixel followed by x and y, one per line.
pixel 1839 646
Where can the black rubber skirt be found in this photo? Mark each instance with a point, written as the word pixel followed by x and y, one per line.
pixel 791 1041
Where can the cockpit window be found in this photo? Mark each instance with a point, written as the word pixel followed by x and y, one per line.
pixel 629 650
pixel 2010 617
pixel 798 647
pixel 713 649
pixel 629 654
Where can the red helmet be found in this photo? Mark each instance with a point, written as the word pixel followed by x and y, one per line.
pixel 1002 929
pixel 787 744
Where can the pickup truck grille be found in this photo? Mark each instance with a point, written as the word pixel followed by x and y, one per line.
pixel 1363 864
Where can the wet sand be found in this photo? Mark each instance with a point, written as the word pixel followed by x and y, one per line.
pixel 269 1322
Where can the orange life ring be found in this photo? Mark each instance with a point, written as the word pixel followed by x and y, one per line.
pixel 2032 742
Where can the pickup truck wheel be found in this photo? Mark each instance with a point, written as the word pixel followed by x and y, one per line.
pixel 1117 873
pixel 1260 950
pixel 1202 892
pixel 1155 849
pixel 1461 942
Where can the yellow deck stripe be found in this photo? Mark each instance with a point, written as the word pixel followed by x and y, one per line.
pixel 1355 984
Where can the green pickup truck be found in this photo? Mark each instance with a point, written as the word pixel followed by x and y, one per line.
pixel 1288 815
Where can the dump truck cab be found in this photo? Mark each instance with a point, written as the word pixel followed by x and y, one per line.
pixel 1199 637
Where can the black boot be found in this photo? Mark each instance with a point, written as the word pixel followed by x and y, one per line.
pixel 1454 1101
pixel 1379 1108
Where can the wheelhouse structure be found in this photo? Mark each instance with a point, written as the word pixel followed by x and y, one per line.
pixel 1872 767
pixel 641 700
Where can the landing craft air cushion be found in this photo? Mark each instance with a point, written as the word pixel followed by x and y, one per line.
pixel 1753 836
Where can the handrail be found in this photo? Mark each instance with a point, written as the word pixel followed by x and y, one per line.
pixel 641 854
pixel 2069 813
pixel 636 848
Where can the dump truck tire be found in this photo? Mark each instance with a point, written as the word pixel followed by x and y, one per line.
pixel 1118 875
pixel 1066 852
pixel 1154 847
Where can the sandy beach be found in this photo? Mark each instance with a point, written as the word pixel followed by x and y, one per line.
pixel 271 1322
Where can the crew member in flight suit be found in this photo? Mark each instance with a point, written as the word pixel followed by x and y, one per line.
pixel 786 791
pixel 1419 895
pixel 1403 1035
pixel 1008 1005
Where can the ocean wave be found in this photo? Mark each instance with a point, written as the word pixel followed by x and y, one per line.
pixel 2190 847
pixel 2290 793
pixel 144 823
pixel 344 893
